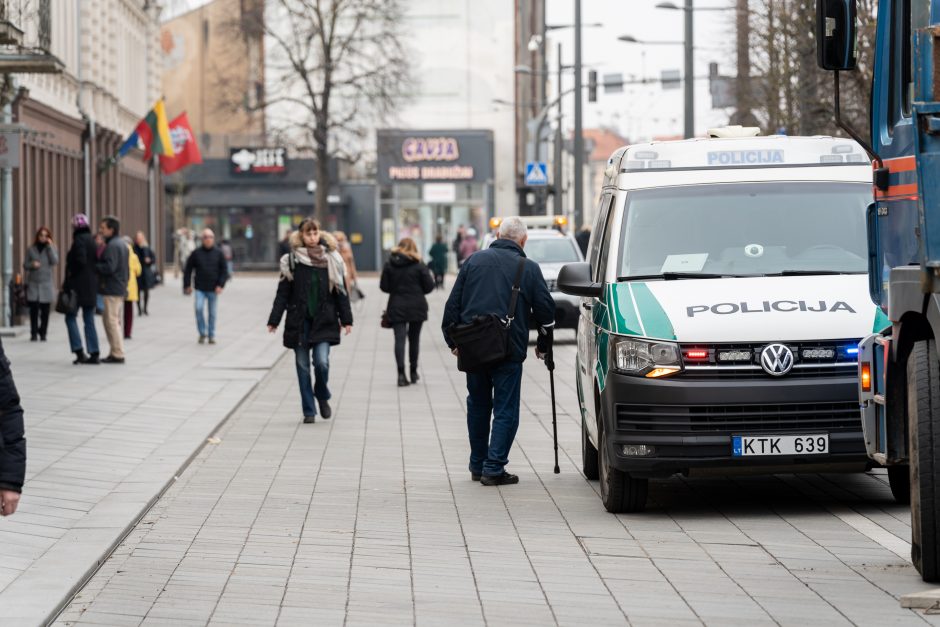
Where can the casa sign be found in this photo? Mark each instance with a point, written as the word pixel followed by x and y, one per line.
pixel 430 149
pixel 434 156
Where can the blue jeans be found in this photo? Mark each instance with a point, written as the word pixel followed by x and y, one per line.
pixel 321 370
pixel 494 392
pixel 201 299
pixel 91 334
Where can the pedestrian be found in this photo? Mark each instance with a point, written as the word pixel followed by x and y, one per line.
pixel 438 265
pixel 458 240
pixel 184 248
pixel 283 246
pixel 13 440
pixel 113 274
pixel 80 277
pixel 40 258
pixel 208 263
pixel 406 281
pixel 344 248
pixel 484 287
pixel 229 255
pixel 134 270
pixel 148 277
pixel 468 245
pixel 312 291
pixel 584 238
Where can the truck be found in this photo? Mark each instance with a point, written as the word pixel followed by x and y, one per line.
pixel 899 365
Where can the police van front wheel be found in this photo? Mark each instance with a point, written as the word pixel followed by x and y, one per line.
pixel 620 493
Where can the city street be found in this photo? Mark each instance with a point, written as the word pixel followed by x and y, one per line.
pixel 371 518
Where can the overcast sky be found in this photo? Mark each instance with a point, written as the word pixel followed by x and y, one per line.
pixel 641 111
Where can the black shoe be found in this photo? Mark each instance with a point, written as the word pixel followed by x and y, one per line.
pixel 503 479
pixel 309 420
pixel 325 410
pixel 111 359
pixel 93 359
pixel 475 477
pixel 402 380
pixel 212 340
pixel 33 338
pixel 202 339
pixel 42 338
pixel 80 357
pixel 414 375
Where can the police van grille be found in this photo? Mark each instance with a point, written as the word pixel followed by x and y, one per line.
pixel 809 417
pixel 843 365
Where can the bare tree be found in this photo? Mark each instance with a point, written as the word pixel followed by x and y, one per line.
pixel 335 69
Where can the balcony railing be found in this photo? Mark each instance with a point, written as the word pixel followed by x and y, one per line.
pixel 26 37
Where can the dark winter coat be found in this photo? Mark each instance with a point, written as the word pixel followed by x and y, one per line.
pixel 12 434
pixel 210 268
pixel 80 268
pixel 147 278
pixel 406 281
pixel 292 297
pixel 438 255
pixel 484 287
pixel 114 269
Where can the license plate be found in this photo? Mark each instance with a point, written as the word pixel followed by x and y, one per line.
pixel 754 445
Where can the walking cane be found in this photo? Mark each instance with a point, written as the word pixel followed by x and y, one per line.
pixel 550 364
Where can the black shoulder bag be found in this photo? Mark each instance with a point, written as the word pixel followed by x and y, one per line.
pixel 483 342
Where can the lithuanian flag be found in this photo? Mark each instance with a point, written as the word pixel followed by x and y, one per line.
pixel 154 132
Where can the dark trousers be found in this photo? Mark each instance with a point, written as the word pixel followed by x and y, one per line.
pixel 412 332
pixel 128 318
pixel 143 302
pixel 438 280
pixel 496 393
pixel 38 319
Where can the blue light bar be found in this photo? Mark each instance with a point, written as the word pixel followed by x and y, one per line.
pixel 851 351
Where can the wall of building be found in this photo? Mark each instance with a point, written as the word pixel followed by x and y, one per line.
pixel 462 61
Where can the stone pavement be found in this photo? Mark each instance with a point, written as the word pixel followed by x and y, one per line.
pixel 371 519
pixel 104 441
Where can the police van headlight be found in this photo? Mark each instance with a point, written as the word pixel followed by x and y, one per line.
pixel 646 359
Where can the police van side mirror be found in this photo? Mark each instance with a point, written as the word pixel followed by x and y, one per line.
pixel 575 279
pixel 836 31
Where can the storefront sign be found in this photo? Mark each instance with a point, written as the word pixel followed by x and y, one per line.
pixel 10 142
pixel 247 161
pixel 434 156
pixel 439 192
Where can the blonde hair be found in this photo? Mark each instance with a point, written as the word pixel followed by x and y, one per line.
pixel 408 248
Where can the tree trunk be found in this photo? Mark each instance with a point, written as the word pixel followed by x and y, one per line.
pixel 322 210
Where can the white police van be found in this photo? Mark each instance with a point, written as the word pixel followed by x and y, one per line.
pixel 722 303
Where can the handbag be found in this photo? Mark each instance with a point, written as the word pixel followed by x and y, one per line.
pixel 386 323
pixel 67 302
pixel 483 342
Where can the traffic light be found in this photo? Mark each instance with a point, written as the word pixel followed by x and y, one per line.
pixel 592 86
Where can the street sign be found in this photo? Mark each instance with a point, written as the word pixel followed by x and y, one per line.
pixel 670 79
pixel 536 174
pixel 10 143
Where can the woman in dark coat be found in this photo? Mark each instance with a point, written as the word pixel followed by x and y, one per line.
pixel 438 265
pixel 147 278
pixel 40 292
pixel 80 277
pixel 313 292
pixel 406 280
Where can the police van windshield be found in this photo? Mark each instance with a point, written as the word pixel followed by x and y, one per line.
pixel 745 229
pixel 551 250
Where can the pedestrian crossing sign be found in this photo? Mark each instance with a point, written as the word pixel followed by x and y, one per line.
pixel 536 174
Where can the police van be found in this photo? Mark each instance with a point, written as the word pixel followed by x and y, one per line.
pixel 722 302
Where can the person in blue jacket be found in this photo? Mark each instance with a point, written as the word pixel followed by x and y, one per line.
pixel 484 286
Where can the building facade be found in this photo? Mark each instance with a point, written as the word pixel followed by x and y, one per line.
pixel 74 120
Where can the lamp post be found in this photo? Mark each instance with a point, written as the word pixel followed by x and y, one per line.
pixel 578 131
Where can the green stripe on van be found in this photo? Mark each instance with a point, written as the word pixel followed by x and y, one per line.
pixel 622 310
pixel 655 321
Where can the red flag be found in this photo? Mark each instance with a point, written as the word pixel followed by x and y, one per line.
pixel 185 149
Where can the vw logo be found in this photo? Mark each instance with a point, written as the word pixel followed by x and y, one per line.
pixel 776 359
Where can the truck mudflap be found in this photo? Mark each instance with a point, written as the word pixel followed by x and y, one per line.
pixel 871 394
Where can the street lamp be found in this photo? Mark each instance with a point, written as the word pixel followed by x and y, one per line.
pixel 630 39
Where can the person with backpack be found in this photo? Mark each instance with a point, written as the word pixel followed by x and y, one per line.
pixel 313 292
pixel 407 281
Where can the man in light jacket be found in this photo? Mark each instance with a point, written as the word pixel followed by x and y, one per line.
pixel 113 274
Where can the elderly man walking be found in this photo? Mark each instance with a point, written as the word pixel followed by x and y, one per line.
pixel 211 269
pixel 483 287
pixel 113 274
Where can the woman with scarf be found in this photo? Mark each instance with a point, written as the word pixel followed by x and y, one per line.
pixel 40 258
pixel 406 281
pixel 313 292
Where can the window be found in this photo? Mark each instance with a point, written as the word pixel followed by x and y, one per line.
pixel 598 234
pixel 605 242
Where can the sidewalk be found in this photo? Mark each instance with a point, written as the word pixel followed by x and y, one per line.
pixel 104 441
pixel 371 519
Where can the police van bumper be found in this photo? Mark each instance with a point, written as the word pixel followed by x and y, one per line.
pixel 660 427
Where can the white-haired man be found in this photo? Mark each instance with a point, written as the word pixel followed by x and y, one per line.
pixel 208 262
pixel 484 286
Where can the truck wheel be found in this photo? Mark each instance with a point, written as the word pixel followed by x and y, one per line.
pixel 923 403
pixel 620 492
pixel 899 478
pixel 588 454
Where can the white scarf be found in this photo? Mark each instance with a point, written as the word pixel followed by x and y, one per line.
pixel 336 268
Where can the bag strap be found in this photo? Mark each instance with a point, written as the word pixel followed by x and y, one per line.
pixel 515 290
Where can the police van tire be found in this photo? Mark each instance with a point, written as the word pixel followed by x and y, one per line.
pixel 620 493
pixel 588 455
pixel 923 402
pixel 899 478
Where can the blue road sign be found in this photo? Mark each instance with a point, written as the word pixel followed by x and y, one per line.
pixel 536 174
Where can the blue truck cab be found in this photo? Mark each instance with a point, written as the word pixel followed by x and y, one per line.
pixel 899 365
